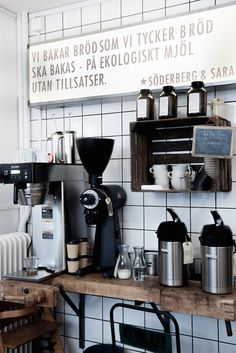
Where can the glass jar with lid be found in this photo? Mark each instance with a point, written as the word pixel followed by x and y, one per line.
pixel 197 99
pixel 168 103
pixel 145 105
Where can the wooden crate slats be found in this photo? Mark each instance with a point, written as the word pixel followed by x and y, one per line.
pixel 147 127
pixel 170 142
pixel 171 146
pixel 172 133
pixel 175 159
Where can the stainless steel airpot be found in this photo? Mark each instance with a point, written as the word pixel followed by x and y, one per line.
pixel 172 235
pixel 217 257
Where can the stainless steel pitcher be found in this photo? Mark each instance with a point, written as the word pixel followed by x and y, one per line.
pixel 69 146
pixel 56 146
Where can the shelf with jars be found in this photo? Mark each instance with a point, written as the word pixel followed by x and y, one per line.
pixel 168 142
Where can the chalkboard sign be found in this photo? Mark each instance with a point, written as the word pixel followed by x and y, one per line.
pixel 213 141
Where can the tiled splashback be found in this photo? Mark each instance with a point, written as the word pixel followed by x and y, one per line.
pixel 143 211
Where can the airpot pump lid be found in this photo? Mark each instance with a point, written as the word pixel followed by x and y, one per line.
pixel 173 231
pixel 217 234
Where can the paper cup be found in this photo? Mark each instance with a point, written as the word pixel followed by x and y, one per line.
pixel 73 265
pixel 72 247
pixel 83 246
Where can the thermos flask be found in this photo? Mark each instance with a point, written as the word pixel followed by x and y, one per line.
pixel 217 257
pixel 172 235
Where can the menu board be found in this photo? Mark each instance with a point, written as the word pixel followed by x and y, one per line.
pixel 213 141
pixel 169 51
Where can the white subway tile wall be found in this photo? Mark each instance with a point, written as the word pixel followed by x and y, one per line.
pixel 143 212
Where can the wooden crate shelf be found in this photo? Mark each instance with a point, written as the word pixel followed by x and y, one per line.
pixel 169 142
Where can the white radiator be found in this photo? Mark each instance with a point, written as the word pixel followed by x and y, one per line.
pixel 13 249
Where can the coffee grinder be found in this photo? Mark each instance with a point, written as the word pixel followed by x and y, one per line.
pixel 101 204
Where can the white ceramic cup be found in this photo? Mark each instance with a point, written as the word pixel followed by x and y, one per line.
pixel 160 174
pixel 181 176
pixel 162 179
pixel 180 168
pixel 177 181
pixel 158 168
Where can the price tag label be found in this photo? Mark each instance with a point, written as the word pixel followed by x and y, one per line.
pixel 188 252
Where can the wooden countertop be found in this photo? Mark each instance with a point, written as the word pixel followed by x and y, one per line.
pixel 95 284
pixel 192 300
pixel 188 299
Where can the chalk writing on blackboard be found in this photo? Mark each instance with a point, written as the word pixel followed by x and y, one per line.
pixel 213 141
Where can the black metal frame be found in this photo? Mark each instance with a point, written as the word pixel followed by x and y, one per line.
pixel 164 316
pixel 80 312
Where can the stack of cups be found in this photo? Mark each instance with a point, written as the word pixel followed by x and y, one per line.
pixel 72 247
pixel 83 252
pixel 160 175
pixel 77 254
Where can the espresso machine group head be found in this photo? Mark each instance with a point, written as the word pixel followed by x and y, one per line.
pixel 101 203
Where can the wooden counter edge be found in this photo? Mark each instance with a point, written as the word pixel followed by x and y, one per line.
pixel 94 284
pixel 189 299
pixel 192 300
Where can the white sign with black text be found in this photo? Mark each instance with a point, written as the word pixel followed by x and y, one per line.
pixel 196 46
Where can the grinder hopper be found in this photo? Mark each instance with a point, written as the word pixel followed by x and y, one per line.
pixel 95 154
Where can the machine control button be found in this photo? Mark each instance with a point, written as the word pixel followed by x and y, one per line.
pixel 89 199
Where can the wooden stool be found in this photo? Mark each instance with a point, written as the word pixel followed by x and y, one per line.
pixel 27 314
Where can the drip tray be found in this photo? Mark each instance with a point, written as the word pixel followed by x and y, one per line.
pixel 22 275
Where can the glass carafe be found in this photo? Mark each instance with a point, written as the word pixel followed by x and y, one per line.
pixel 124 265
pixel 139 265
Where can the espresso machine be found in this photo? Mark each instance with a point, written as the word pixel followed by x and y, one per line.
pixel 53 190
pixel 101 203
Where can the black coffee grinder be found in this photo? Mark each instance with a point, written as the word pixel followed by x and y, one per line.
pixel 101 203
